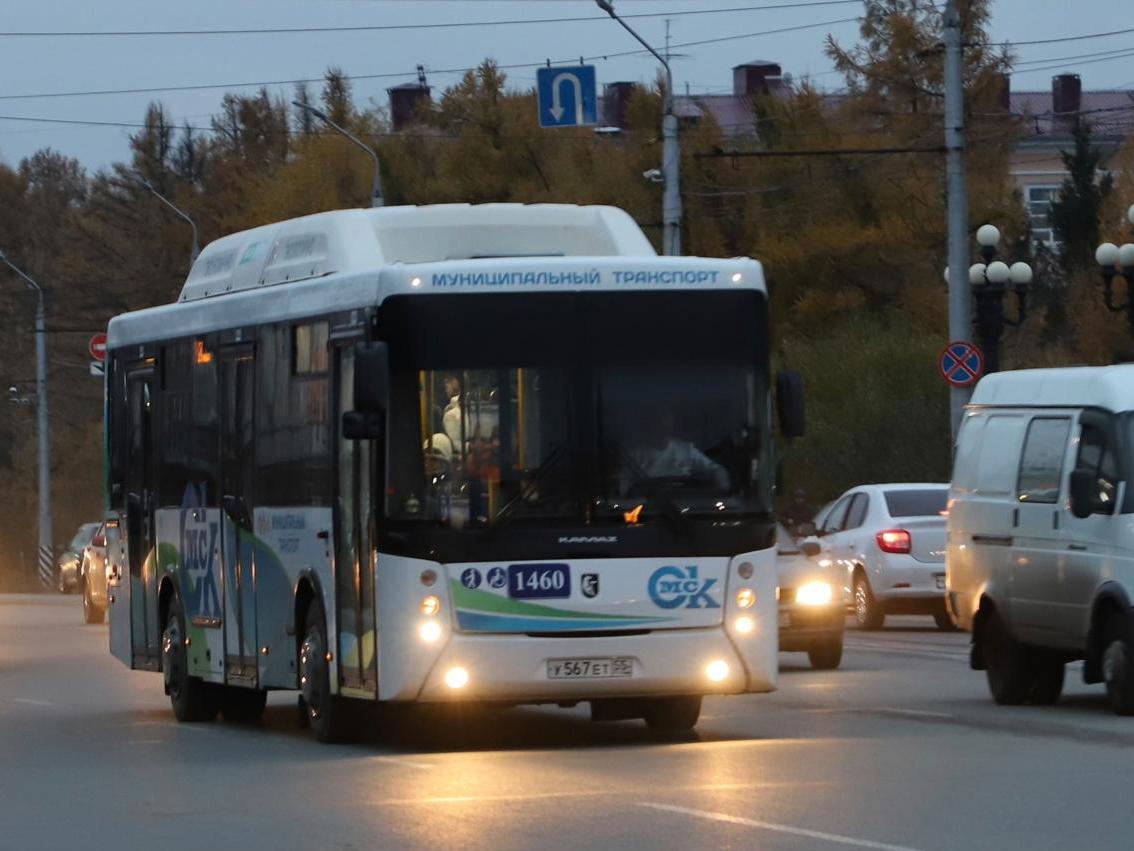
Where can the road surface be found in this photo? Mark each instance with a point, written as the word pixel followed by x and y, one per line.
pixel 899 749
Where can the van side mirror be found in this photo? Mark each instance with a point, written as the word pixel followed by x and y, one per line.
pixel 1085 499
pixel 371 377
pixel 789 403
pixel 810 548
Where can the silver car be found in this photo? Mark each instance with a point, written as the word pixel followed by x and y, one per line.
pixel 811 604
pixel 70 560
pixel 92 577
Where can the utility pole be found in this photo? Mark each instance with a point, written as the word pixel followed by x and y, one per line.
pixel 960 298
pixel 46 545
pixel 671 149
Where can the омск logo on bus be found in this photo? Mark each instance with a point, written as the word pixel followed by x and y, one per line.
pixel 673 587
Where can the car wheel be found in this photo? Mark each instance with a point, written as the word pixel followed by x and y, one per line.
pixel 326 712
pixel 826 653
pixel 243 705
pixel 92 612
pixel 673 714
pixel 1007 663
pixel 191 697
pixel 866 609
pixel 1047 669
pixel 1118 665
pixel 944 622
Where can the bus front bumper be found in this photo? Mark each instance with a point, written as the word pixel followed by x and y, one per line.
pixel 531 669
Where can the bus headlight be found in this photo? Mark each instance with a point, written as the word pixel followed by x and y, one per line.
pixel 744 625
pixel 456 678
pixel 429 631
pixel 430 605
pixel 745 598
pixel 717 670
pixel 814 594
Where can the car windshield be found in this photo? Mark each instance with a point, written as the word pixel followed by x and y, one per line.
pixel 917 503
pixel 591 422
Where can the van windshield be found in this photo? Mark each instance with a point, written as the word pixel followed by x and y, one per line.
pixel 917 503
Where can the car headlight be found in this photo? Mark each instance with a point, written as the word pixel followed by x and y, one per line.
pixel 814 594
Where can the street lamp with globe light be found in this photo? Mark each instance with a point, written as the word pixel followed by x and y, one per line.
pixel 990 281
pixel 1118 262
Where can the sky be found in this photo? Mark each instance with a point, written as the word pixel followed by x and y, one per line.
pixel 37 59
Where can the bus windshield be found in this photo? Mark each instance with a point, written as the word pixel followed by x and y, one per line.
pixel 561 415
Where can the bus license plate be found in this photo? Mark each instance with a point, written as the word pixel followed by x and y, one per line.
pixel 590 669
pixel 527 581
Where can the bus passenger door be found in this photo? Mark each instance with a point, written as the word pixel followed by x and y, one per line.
pixel 237 474
pixel 140 485
pixel 354 550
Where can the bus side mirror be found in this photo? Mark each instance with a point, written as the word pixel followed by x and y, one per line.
pixel 360 426
pixel 789 403
pixel 371 377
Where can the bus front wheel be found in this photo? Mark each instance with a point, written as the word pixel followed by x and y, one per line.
pixel 191 697
pixel 673 714
pixel 325 711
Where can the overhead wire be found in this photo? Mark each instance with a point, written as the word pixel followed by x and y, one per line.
pixel 417 26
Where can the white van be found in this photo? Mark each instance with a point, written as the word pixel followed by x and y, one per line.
pixel 1040 560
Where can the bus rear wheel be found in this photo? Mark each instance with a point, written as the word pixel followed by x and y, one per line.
pixel 192 699
pixel 673 714
pixel 326 714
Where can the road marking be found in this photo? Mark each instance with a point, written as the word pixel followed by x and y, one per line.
pixel 777 828
pixel 31 702
pixel 397 760
pixel 915 713
pixel 590 793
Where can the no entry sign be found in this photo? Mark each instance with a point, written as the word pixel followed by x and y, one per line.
pixel 961 363
pixel 97 347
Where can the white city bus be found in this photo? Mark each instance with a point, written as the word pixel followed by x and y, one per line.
pixel 495 453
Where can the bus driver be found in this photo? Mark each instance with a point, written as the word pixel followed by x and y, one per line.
pixel 661 454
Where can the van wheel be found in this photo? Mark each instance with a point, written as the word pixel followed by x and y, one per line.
pixel 1047 670
pixel 826 653
pixel 192 698
pixel 1007 664
pixel 1118 665
pixel 243 705
pixel 326 714
pixel 866 609
pixel 673 714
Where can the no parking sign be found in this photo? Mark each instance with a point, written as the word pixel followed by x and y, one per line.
pixel 961 363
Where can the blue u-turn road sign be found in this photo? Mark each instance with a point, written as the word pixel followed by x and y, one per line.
pixel 567 96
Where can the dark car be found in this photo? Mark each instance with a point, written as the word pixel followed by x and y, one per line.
pixel 70 561
pixel 92 577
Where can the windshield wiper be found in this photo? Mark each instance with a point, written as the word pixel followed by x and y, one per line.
pixel 504 515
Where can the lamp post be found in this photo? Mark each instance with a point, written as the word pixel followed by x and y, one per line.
pixel 1115 262
pixel 376 199
pixel 671 149
pixel 46 547
pixel 990 281
pixel 195 250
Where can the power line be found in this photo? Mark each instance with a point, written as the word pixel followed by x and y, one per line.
pixel 424 26
pixel 1074 56
pixel 402 75
pixel 1083 37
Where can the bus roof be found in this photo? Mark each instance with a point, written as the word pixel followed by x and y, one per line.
pixel 350 259
pixel 1110 387
pixel 346 241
